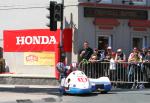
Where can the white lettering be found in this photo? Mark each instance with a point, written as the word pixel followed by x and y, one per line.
pixel 36 39
pixel 28 40
pixel 21 40
pixel 45 40
pixel 52 40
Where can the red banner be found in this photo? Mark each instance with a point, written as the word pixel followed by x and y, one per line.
pixel 30 40
pixel 36 40
pixel 67 38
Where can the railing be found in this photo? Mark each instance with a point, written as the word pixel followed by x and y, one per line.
pixel 118 72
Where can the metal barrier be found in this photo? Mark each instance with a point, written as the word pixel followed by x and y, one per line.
pixel 120 73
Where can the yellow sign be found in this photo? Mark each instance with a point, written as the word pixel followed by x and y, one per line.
pixel 39 58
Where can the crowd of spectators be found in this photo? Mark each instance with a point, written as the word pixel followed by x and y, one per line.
pixel 94 55
pixel 136 59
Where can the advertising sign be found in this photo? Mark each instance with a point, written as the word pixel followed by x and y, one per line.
pixel 36 40
pixel 30 40
pixel 39 58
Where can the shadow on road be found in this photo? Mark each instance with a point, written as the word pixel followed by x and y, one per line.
pixel 90 95
pixel 55 91
pixel 147 94
pixel 126 90
pixel 82 95
pixel 52 91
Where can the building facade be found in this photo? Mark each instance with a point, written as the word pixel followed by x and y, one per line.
pixel 111 23
pixel 116 23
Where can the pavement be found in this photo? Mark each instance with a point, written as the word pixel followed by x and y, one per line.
pixel 29 94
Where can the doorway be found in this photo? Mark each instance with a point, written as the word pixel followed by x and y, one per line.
pixel 104 42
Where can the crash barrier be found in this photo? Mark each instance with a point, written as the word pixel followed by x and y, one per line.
pixel 118 72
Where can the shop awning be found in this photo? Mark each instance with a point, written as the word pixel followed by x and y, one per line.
pixel 104 21
pixel 139 29
pixel 139 23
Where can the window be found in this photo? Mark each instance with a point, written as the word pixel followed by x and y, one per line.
pixel 104 42
pixel 139 42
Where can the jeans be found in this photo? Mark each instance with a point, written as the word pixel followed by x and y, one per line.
pixel 132 70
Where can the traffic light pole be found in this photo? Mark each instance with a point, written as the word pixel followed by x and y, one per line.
pixel 61 33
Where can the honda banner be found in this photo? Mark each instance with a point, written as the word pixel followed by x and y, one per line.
pixel 34 40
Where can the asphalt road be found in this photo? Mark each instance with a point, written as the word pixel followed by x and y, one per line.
pixel 115 96
pixel 51 95
pixel 29 94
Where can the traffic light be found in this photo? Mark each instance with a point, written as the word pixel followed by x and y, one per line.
pixel 58 12
pixel 53 22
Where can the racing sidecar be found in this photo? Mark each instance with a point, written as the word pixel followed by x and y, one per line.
pixel 78 83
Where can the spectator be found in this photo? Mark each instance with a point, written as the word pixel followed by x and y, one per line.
pixel 108 54
pixel 134 64
pixel 143 53
pixel 146 63
pixel 147 57
pixel 119 59
pixel 120 56
pixel 2 65
pixel 96 56
pixel 93 58
pixel 2 61
pixel 112 69
pixel 93 66
pixel 84 56
pixel 85 52
pixel 134 57
pixel 102 55
pixel 112 61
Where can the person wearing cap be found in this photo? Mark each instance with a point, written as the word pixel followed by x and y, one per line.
pixel 109 57
pixel 120 58
pixel 108 54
